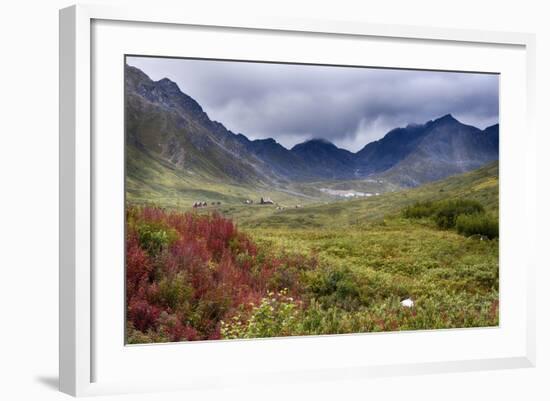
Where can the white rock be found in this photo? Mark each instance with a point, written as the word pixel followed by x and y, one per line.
pixel 407 303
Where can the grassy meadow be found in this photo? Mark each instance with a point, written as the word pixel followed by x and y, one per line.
pixel 310 263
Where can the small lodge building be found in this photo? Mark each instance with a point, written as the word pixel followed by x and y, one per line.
pixel 266 201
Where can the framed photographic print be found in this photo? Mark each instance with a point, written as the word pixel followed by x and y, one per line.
pixel 290 200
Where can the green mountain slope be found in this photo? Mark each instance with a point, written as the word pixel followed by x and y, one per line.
pixel 448 148
pixel 480 185
pixel 152 180
pixel 166 127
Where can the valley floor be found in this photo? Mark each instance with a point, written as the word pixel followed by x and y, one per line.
pixel 321 268
pixel 453 280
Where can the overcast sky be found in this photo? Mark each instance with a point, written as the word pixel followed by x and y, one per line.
pixel 347 106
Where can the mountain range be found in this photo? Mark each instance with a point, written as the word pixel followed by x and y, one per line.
pixel 165 125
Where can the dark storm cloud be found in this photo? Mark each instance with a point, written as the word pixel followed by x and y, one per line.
pixel 348 106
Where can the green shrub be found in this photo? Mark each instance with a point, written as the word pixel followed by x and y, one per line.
pixel 277 315
pixel 443 212
pixel 317 319
pixel 335 286
pixel 175 292
pixel 477 224
pixel 448 211
pixel 419 210
pixel 154 237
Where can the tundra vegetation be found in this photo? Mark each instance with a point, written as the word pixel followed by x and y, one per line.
pixel 238 270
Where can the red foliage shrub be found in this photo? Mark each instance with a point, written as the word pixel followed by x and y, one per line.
pixel 222 268
pixel 179 332
pixel 142 315
pixel 138 266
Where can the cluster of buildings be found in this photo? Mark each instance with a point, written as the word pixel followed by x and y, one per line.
pixel 205 204
pixel 263 201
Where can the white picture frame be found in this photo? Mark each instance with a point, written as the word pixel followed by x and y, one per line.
pixel 78 366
